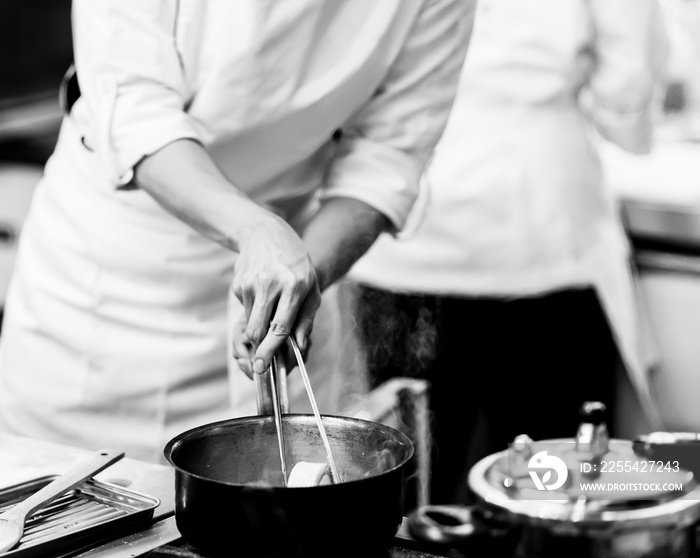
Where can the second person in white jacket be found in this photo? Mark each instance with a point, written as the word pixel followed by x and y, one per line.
pixel 513 294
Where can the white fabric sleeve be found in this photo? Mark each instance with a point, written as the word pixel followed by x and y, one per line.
pixel 386 145
pixel 131 78
pixel 631 50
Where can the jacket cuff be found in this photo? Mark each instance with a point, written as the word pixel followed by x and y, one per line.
pixel 127 136
pixel 384 178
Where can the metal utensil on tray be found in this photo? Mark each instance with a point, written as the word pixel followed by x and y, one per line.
pixel 12 521
pixel 273 399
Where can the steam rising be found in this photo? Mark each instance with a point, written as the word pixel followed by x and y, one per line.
pixel 398 342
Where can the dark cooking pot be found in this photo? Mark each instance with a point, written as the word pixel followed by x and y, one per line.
pixel 223 509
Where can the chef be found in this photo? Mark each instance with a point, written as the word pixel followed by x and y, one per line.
pixel 513 294
pixel 250 147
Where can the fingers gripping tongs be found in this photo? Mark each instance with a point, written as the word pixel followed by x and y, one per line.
pixel 273 399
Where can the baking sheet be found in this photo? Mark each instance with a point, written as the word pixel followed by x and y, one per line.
pixel 87 515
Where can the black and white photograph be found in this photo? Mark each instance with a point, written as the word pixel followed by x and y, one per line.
pixel 349 278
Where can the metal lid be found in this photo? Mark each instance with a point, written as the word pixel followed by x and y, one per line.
pixel 585 483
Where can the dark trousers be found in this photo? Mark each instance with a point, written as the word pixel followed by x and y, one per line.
pixel 520 366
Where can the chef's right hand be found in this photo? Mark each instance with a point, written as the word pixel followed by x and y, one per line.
pixel 276 282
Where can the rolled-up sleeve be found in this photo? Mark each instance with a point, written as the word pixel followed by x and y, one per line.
pixel 385 147
pixel 631 51
pixel 131 80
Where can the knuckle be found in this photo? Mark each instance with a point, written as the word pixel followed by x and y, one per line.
pixel 263 278
pixel 297 277
pixel 241 280
pixel 269 287
pixel 289 281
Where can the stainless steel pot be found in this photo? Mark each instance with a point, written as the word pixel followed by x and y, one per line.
pixel 231 499
pixel 610 503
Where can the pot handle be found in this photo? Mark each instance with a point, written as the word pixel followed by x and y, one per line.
pixel 450 525
pixel 472 530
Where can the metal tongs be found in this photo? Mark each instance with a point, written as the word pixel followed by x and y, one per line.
pixel 273 400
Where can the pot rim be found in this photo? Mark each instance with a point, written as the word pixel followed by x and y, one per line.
pixel 200 431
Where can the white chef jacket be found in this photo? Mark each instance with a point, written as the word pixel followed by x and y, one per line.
pixel 114 332
pixel 514 201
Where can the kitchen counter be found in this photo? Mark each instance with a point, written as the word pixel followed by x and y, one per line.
pixel 660 201
pixel 23 459
pixel 162 541
pixel 659 193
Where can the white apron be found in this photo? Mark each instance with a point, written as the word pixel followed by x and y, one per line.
pixel 140 351
pixel 71 387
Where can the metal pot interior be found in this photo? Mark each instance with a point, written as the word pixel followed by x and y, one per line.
pixel 244 451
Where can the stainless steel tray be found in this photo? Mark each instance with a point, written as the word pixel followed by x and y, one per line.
pixel 91 513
